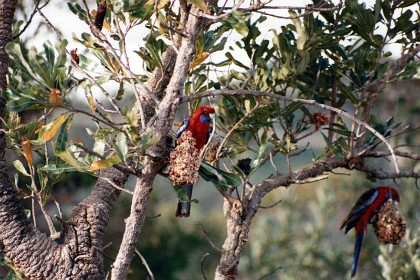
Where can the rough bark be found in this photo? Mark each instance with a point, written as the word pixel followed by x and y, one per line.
pixel 158 82
pixel 239 216
pixel 7 10
pixel 153 163
pixel 32 253
pixel 85 229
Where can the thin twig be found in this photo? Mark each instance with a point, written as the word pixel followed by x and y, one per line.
pixel 107 45
pixel 235 127
pixel 379 173
pixel 53 231
pixel 311 180
pixel 104 121
pixel 121 167
pixel 271 272
pixel 317 9
pixel 300 101
pixel 30 18
pixel 33 207
pixel 115 185
pixel 202 266
pixel 214 246
pixel 380 154
pixel 107 246
pixel 270 206
pixel 143 260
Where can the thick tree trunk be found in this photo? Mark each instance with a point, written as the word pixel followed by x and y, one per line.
pixel 33 254
pixel 85 229
pixel 153 163
pixel 236 238
pixel 7 10
pixel 30 251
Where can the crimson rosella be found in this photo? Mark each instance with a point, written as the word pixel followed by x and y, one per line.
pixel 198 126
pixel 366 207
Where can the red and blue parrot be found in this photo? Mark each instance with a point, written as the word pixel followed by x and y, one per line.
pixel 199 125
pixel 362 213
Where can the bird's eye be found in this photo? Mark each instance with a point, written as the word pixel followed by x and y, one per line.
pixel 205 111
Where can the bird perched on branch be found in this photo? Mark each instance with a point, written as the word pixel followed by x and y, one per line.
pixel 366 207
pixel 185 160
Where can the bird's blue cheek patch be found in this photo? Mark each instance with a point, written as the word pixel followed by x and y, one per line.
pixel 205 118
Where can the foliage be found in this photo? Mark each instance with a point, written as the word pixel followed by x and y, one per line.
pixel 401 263
pixel 336 57
pixel 309 233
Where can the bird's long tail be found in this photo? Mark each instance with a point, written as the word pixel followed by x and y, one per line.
pixel 183 208
pixel 357 248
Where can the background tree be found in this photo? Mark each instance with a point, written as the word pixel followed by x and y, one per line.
pixel 304 90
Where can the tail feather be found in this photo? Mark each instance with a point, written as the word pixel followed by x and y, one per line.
pixel 357 248
pixel 183 208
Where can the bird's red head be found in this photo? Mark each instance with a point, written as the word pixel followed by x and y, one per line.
pixel 204 110
pixel 389 192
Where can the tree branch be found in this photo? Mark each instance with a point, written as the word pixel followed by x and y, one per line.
pixel 379 173
pixel 31 252
pixel 153 162
pixel 84 236
pixel 241 92
pixel 381 154
pixel 239 219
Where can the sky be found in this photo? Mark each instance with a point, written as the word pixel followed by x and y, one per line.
pixel 69 24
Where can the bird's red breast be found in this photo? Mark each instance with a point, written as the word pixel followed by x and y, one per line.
pixel 198 127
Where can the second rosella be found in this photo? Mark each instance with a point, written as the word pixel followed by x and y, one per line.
pixel 366 207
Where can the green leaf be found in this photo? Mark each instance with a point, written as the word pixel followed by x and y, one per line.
pixel 50 55
pixel 304 62
pixel 71 160
pixel 99 147
pixel 300 29
pixel 78 11
pixel 47 132
pixel 87 40
pixel 105 163
pixel 63 136
pixel 407 3
pixel 19 167
pixel 236 62
pixel 220 178
pixel 22 103
pixel 140 9
pixel 155 48
pixel 58 169
pixel 62 54
pixel 182 195
pixel 40 67
pixel 336 150
pixel 238 21
pixel 121 146
pixel 20 55
pixel 147 140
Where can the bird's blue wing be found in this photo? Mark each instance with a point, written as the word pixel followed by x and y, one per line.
pixel 182 128
pixel 361 205
pixel 364 202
